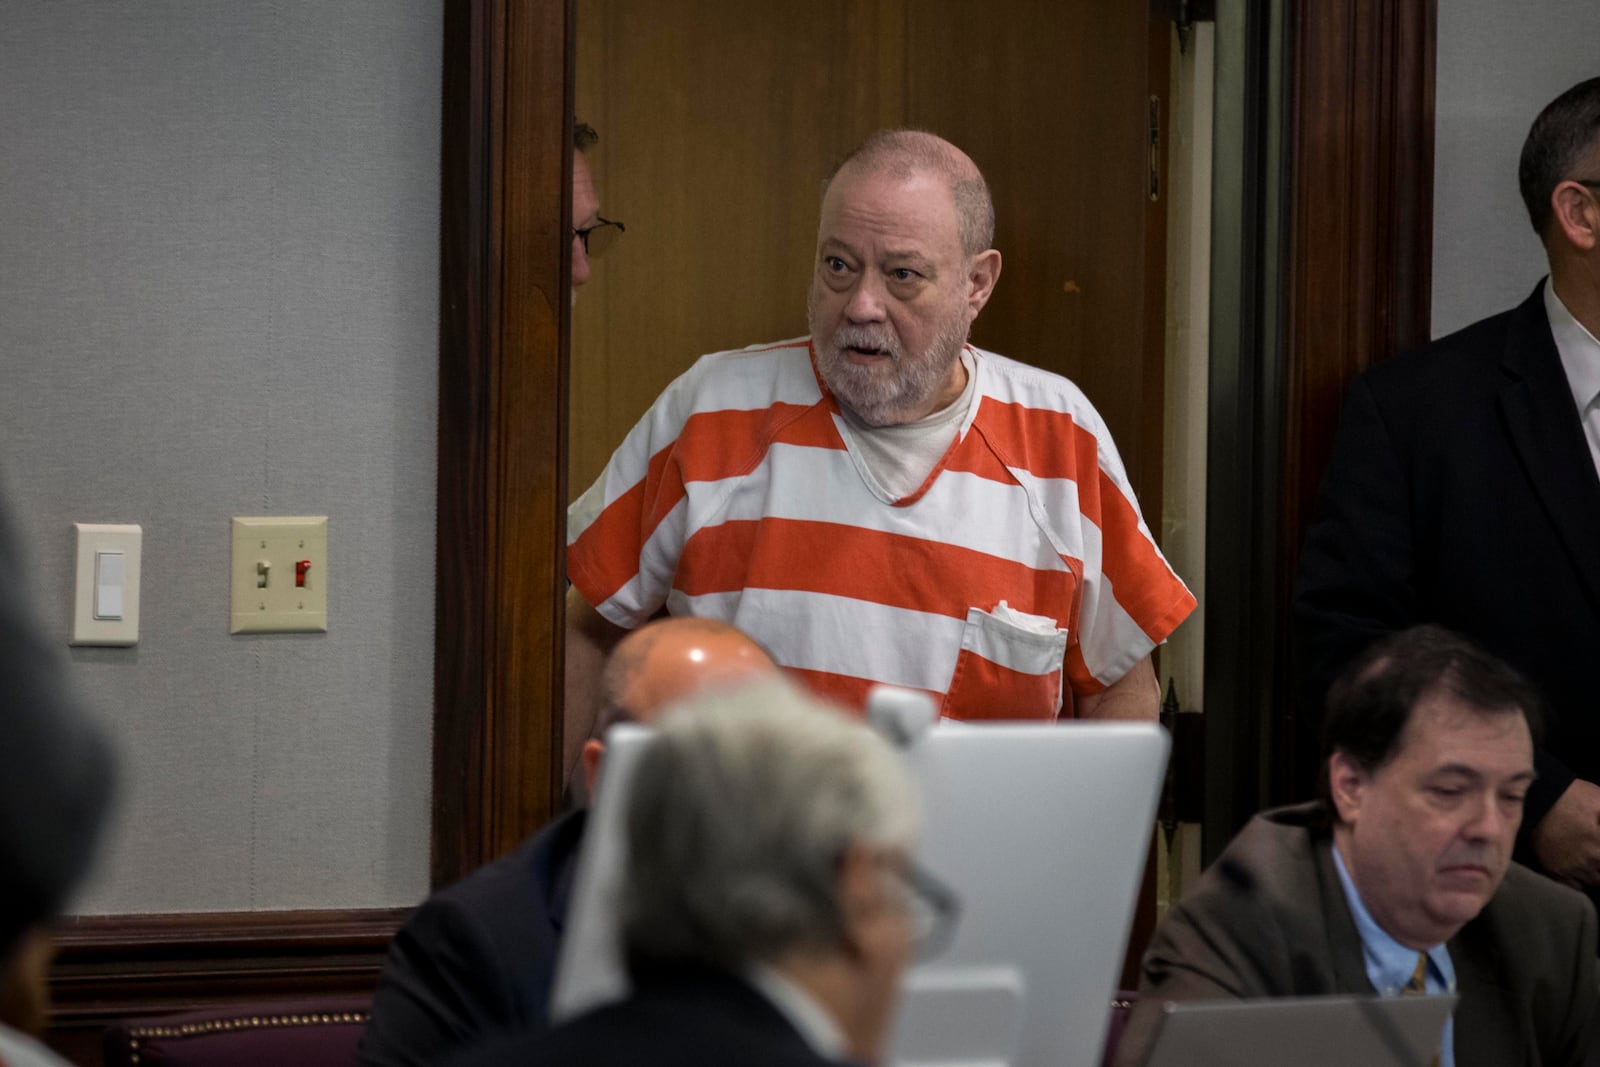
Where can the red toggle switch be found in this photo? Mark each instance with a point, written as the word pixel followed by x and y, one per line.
pixel 300 569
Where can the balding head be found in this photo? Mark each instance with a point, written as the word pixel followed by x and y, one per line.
pixel 904 154
pixel 670 659
pixel 664 662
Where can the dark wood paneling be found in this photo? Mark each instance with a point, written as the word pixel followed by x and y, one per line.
pixel 139 966
pixel 502 426
pixel 1360 211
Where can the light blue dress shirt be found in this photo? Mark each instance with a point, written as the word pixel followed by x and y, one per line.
pixel 1390 964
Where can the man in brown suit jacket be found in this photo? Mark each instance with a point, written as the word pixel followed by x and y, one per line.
pixel 1401 876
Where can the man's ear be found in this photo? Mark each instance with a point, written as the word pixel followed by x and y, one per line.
pixel 1348 784
pixel 981 276
pixel 1576 216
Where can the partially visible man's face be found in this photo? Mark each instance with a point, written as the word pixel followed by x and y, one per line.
pixel 1427 836
pixel 874 903
pixel 891 300
pixel 585 213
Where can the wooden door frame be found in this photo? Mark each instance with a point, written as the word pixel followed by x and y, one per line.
pixel 503 337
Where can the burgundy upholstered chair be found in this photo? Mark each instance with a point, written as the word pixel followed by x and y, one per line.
pixel 301 1033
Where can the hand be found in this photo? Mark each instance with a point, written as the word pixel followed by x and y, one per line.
pixel 1567 839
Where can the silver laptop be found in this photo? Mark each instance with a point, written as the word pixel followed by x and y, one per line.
pixel 1303 1032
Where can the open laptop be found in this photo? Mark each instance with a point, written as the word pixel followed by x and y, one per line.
pixel 1041 829
pixel 1364 1031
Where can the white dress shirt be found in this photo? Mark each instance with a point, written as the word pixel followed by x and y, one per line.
pixel 1580 358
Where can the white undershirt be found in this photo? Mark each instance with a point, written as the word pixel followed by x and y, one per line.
pixel 894 461
pixel 1580 358
pixel 801 1009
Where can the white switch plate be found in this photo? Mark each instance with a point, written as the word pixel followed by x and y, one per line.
pixel 95 538
pixel 266 551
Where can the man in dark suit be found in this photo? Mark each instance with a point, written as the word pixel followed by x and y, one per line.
pixel 480 955
pixel 768 904
pixel 1464 489
pixel 1401 878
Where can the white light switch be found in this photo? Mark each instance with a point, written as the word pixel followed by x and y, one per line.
pixel 108 569
pixel 106 604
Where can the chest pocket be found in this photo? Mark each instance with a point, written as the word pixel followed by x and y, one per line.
pixel 1009 667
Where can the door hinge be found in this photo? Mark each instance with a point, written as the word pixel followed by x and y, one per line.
pixel 1183 789
pixel 1155 148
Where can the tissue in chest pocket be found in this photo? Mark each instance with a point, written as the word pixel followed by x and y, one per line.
pixel 1009 667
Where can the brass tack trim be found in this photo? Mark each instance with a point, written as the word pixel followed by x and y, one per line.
pixel 253 1022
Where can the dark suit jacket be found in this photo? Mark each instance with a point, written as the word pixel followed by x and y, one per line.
pixel 684 1017
pixel 1461 491
pixel 1269 919
pixel 476 958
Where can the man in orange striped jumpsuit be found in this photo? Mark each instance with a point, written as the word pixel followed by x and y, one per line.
pixel 881 501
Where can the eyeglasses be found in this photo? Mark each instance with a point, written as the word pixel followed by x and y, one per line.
pixel 599 237
pixel 934 909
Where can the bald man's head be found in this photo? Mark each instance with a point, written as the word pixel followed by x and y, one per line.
pixel 903 153
pixel 670 659
pixel 667 661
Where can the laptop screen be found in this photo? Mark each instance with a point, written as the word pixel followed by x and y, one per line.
pixel 1303 1032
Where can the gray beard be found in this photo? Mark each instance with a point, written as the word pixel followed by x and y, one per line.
pixel 879 399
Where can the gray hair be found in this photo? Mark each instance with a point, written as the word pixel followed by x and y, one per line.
pixel 741 810
pixel 903 153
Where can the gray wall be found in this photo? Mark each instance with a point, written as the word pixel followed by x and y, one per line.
pixel 218 296
pixel 1499 63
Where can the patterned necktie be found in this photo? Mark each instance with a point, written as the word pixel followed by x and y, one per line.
pixel 1418 985
pixel 1419 977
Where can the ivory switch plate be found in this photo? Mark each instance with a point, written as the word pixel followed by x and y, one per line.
pixel 106 604
pixel 280 575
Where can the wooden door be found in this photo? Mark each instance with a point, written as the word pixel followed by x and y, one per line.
pixel 719 118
